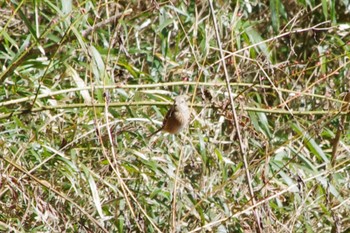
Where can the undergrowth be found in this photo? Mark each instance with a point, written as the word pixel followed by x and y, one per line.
pixel 83 83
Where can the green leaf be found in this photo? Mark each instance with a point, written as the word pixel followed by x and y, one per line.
pixel 311 143
pixel 94 191
pixel 255 38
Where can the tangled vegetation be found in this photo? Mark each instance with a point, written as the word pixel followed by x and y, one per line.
pixel 83 83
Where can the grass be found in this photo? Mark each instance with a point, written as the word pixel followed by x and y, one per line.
pixel 83 83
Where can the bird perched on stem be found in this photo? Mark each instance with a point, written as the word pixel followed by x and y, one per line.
pixel 177 117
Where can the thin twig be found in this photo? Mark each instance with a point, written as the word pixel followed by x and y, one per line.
pixel 235 119
pixel 88 31
pixel 149 103
pixel 175 191
pixel 126 191
pixel 345 108
pixel 146 86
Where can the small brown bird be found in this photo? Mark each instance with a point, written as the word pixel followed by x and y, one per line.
pixel 177 118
